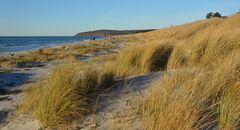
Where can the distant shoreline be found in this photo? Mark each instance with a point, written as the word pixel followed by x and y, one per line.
pixel 9 54
pixel 112 32
pixel 12 44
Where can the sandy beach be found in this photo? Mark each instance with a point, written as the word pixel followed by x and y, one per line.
pixel 13 82
pixel 16 79
pixel 184 77
pixel 19 77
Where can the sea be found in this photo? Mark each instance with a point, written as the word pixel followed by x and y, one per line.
pixel 20 43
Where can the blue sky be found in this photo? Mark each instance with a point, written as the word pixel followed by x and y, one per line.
pixel 68 17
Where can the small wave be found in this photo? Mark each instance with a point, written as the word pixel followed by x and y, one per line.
pixel 15 44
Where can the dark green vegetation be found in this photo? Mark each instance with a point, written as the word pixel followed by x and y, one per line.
pixel 112 32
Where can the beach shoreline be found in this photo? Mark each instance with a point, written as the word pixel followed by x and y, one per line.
pixel 10 54
pixel 13 85
pixel 15 80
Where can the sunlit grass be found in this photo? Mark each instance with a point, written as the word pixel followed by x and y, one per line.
pixel 142 59
pixel 66 96
pixel 202 92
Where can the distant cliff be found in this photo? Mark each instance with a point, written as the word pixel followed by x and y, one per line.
pixel 111 32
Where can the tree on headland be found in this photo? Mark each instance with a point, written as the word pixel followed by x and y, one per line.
pixel 209 15
pixel 212 15
pixel 217 14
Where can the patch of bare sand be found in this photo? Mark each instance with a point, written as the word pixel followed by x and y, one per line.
pixel 12 84
pixel 22 123
pixel 117 109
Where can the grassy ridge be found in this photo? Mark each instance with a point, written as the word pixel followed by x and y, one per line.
pixel 202 93
pixel 194 99
pixel 142 59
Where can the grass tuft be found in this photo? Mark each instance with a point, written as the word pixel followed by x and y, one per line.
pixel 32 98
pixel 68 93
pixel 142 59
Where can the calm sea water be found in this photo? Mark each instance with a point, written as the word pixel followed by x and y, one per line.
pixel 15 44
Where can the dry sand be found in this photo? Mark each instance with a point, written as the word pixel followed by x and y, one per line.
pixel 112 108
pixel 117 109
pixel 12 83
pixel 14 80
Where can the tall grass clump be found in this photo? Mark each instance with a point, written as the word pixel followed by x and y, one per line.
pixel 141 59
pixel 68 94
pixel 32 98
pixel 203 92
pixel 64 99
pixel 207 46
pixel 196 99
pixel 227 84
pixel 171 105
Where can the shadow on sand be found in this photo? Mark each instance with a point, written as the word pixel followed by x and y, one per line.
pixel 9 83
pixel 3 116
pixel 128 85
pixel 10 80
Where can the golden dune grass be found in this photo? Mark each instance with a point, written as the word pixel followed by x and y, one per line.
pixel 63 101
pixel 202 92
pixel 32 97
pixel 208 45
pixel 142 59
pixel 194 99
pixel 68 90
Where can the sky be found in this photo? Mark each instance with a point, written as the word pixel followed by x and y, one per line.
pixel 68 17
